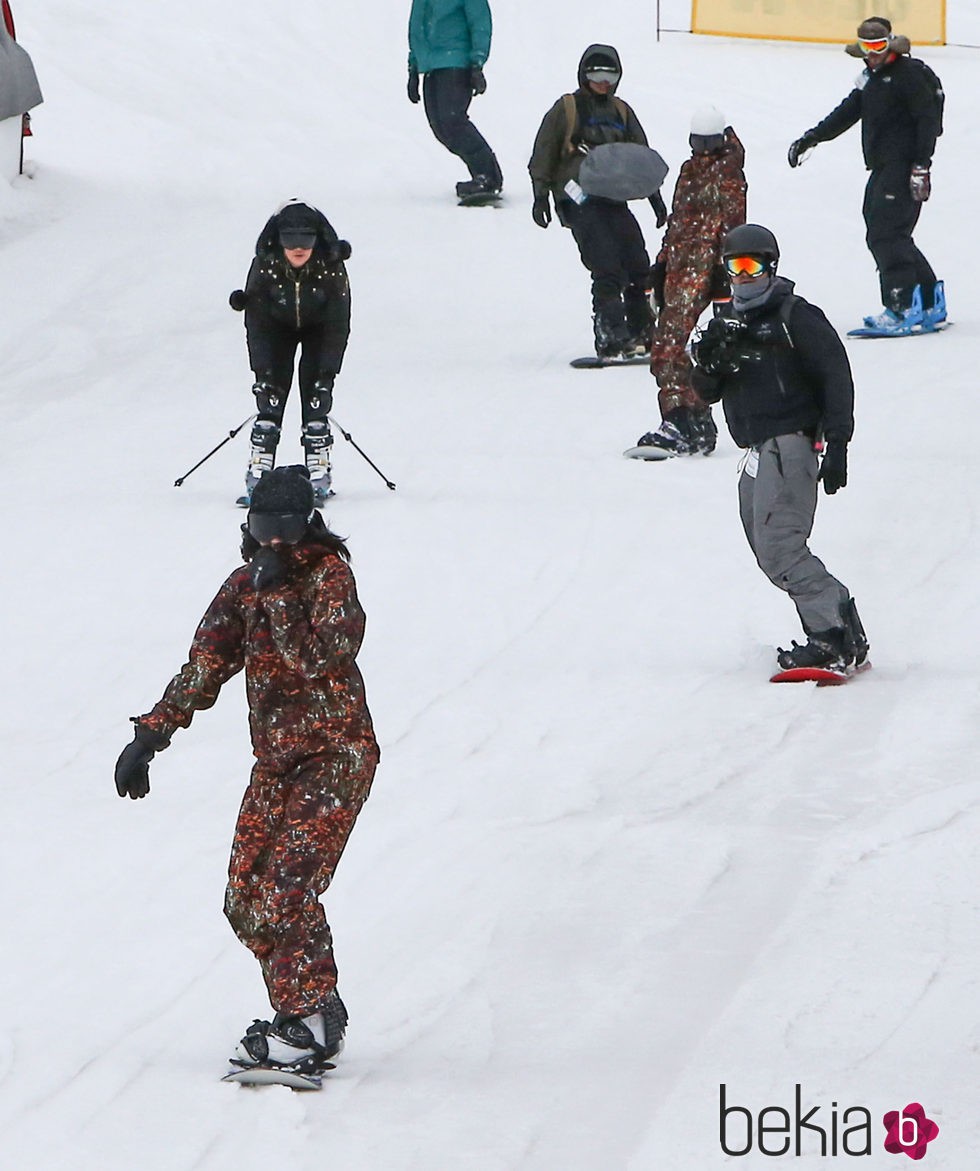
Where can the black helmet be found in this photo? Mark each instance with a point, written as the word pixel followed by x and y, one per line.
pixel 751 240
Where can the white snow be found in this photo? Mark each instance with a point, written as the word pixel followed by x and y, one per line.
pixel 606 867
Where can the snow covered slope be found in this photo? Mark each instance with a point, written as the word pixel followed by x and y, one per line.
pixel 606 867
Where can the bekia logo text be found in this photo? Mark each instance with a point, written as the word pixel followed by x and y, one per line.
pixel 829 1131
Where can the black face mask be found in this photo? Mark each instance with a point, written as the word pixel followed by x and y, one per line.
pixel 288 527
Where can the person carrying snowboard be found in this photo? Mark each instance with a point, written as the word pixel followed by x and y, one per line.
pixel 449 43
pixel 899 105
pixel 608 236
pixel 709 200
pixel 779 368
pixel 296 296
pixel 290 617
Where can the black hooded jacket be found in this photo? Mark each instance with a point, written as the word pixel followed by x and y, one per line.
pixel 793 374
pixel 599 119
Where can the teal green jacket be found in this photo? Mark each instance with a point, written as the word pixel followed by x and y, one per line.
pixel 448 34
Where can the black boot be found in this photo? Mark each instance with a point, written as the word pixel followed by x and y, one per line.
pixel 704 433
pixel 825 648
pixel 612 337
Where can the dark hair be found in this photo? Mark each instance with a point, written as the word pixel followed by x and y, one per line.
pixel 316 533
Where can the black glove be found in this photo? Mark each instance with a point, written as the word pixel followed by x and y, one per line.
pixel 541 211
pixel 920 184
pixel 133 765
pixel 478 83
pixel 266 570
pixel 659 208
pixel 802 144
pixel 413 86
pixel 658 277
pixel 833 467
pixel 238 300
pixel 338 250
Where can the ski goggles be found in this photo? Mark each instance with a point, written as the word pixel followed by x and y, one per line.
pixel 746 265
pixel 288 527
pixel 879 45
pixel 291 240
pixel 600 75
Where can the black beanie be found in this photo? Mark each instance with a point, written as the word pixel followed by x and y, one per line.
pixel 284 489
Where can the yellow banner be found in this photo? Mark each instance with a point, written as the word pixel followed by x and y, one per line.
pixel 922 21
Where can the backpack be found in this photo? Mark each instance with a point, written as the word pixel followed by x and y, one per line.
pixel 935 87
pixel 571 119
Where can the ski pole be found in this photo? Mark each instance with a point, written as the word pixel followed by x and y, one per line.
pixel 347 436
pixel 231 435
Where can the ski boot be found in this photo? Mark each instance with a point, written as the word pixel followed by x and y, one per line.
pixel 265 439
pixel 825 648
pixel 317 441
pixel 301 1044
pixel 675 435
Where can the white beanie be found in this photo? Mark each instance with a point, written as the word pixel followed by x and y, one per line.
pixel 707 121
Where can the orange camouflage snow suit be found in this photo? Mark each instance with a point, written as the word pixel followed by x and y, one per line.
pixel 709 200
pixel 315 750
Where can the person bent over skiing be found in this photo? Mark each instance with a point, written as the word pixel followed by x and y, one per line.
pixel 709 200
pixel 609 239
pixel 296 297
pixel 780 369
pixel 289 617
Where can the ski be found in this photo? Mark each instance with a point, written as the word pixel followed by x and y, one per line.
pixel 594 362
pixel 868 331
pixel 270 1075
pixel 819 675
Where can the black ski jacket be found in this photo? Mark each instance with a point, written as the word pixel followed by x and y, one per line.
pixel 899 115
pixel 793 374
pixel 286 299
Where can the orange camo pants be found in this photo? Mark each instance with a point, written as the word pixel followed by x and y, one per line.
pixel 686 296
pixel 291 832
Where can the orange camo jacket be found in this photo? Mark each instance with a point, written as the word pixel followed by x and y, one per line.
pixel 709 200
pixel 298 644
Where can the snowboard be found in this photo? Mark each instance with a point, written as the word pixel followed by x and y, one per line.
pixel 483 199
pixel 819 675
pixel 867 331
pixel 270 1075
pixel 650 454
pixel 594 362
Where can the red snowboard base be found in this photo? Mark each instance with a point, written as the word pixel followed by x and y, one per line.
pixel 819 675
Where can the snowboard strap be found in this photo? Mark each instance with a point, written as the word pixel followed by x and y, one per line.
pixel 571 119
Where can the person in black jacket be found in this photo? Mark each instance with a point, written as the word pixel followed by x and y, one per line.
pixel 779 368
pixel 608 236
pixel 296 296
pixel 896 101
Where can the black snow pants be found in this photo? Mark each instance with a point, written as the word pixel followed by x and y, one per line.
pixel 447 95
pixel 890 216
pixel 272 355
pixel 612 248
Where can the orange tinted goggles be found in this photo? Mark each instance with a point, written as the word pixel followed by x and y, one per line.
pixel 746 265
pixel 873 46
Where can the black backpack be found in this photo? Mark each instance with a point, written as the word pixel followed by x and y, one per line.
pixel 935 86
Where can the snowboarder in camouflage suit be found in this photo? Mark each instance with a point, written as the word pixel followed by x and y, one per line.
pixel 291 618
pixel 709 200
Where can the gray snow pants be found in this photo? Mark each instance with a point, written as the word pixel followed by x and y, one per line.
pixel 777 506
